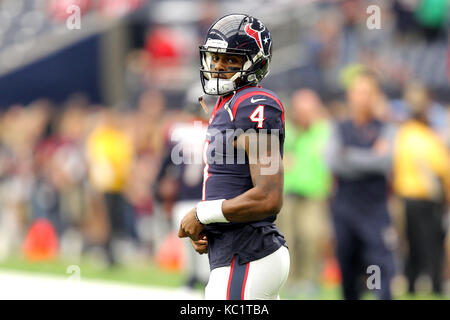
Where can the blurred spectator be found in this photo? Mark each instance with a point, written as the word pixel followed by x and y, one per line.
pixel 359 155
pixel 110 157
pixel 322 47
pixel 72 167
pixel 422 180
pixel 150 123
pixel 137 66
pixel 161 47
pixel 147 125
pixel 304 220
pixel 45 193
pixel 183 163
pixel 436 113
pixel 166 48
pixel 380 107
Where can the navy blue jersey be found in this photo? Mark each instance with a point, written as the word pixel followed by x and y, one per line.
pixel 227 173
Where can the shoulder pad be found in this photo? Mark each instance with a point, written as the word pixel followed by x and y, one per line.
pixel 253 97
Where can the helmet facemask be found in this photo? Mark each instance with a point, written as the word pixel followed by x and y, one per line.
pixel 217 85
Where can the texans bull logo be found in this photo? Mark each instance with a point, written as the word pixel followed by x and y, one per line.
pixel 258 31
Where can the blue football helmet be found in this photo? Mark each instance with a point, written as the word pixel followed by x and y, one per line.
pixel 236 34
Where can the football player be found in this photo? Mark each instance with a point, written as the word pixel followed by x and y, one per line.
pixel 242 192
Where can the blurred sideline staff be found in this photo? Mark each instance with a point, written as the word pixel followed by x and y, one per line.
pixel 110 155
pixel 182 167
pixel 359 155
pixel 304 220
pixel 422 181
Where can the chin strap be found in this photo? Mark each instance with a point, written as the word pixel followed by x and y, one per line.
pixel 203 104
pixel 206 109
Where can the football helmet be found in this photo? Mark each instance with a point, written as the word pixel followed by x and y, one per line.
pixel 241 35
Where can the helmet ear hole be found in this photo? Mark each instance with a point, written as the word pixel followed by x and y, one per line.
pixel 251 78
pixel 247 65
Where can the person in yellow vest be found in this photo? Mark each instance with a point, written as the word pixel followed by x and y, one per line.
pixel 422 181
pixel 110 157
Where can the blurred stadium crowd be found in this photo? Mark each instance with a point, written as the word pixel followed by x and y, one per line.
pixel 99 172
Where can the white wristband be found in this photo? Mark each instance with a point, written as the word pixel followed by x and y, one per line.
pixel 210 211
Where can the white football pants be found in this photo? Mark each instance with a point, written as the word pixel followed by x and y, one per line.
pixel 261 279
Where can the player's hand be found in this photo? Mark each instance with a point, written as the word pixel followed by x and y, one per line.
pixel 190 226
pixel 201 245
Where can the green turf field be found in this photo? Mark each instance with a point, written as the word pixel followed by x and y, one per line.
pixel 149 274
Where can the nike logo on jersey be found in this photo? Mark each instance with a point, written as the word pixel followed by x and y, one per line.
pixel 256 100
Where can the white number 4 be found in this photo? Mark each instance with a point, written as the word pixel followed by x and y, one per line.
pixel 258 116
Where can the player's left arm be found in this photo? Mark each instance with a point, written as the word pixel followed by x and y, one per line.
pixel 265 199
pixel 262 147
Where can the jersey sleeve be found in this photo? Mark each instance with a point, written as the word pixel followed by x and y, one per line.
pixel 259 112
